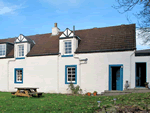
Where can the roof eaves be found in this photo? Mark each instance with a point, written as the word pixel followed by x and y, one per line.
pixel 42 54
pixel 106 50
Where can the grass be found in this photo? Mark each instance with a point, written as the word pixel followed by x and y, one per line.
pixel 60 103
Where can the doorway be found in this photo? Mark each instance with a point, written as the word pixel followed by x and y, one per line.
pixel 140 73
pixel 116 77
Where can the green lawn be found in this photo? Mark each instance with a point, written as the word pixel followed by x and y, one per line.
pixel 59 103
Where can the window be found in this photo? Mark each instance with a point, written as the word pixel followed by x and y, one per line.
pixel 71 74
pixel 19 75
pixel 21 50
pixel 68 47
pixel 2 50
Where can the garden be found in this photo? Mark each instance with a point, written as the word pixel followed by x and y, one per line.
pixel 74 103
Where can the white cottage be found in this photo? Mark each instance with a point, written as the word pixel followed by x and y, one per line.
pixel 96 59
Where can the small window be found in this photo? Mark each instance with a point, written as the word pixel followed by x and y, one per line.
pixel 2 50
pixel 19 75
pixel 68 47
pixel 21 50
pixel 71 74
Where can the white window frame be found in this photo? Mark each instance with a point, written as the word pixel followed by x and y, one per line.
pixel 71 74
pixel 67 47
pixel 3 48
pixel 22 55
pixel 19 75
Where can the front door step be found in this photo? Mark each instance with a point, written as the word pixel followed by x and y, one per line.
pixel 128 91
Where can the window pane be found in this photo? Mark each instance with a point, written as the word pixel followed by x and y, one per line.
pixel 69 79
pixel 73 79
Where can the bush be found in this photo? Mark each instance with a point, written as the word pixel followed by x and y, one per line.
pixel 75 90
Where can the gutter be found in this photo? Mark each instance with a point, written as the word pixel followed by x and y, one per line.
pixel 131 66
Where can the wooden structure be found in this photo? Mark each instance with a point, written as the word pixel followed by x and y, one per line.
pixel 26 92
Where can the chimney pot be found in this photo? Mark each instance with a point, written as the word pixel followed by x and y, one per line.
pixel 55 24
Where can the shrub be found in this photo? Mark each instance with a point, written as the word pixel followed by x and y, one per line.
pixel 75 90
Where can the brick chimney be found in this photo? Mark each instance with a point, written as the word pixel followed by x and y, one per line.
pixel 55 30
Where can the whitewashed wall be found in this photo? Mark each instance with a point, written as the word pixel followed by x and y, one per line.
pixel 48 72
pixel 93 76
pixel 37 72
pixel 4 74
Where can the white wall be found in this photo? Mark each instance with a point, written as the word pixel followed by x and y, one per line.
pixel 94 74
pixel 37 72
pixel 4 74
pixel 46 71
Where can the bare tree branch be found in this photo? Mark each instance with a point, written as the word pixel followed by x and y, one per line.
pixel 143 16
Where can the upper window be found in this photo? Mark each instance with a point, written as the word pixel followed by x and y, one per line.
pixel 68 47
pixel 2 50
pixel 19 75
pixel 21 50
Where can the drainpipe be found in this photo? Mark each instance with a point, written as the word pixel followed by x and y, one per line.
pixel 58 73
pixel 130 67
pixel 8 68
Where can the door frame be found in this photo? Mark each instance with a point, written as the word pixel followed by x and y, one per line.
pixel 110 76
pixel 135 73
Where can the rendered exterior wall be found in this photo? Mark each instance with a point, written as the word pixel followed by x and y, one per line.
pixel 3 74
pixel 94 75
pixel 37 72
pixel 48 72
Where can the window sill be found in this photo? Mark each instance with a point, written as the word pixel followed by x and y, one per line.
pixel 18 82
pixel 70 82
pixel 21 58
pixel 2 56
pixel 66 55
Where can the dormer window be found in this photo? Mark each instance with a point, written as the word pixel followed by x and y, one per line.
pixel 2 50
pixel 21 50
pixel 68 43
pixel 68 47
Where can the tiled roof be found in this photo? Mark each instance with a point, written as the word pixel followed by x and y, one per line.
pixel 97 39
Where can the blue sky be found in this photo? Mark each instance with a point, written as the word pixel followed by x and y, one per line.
pixel 30 17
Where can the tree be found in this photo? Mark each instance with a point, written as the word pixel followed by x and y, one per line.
pixel 143 16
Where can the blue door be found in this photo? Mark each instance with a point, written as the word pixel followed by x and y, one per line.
pixel 118 79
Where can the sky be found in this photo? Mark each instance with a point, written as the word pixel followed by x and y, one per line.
pixel 30 17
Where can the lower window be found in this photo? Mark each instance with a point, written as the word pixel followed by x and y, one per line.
pixel 71 74
pixel 18 75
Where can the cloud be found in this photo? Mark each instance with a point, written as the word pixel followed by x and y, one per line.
pixel 8 8
pixel 63 3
